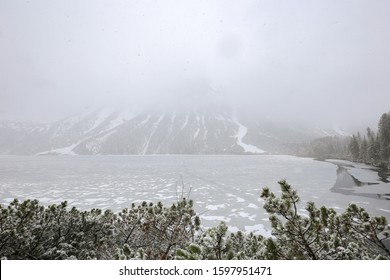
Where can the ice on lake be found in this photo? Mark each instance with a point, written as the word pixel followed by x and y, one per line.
pixel 223 187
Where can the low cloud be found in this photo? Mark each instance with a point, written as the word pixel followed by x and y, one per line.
pixel 323 61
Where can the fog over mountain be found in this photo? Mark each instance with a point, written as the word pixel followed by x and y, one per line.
pixel 317 63
pixel 195 127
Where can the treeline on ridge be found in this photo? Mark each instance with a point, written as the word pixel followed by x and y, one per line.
pixel 371 148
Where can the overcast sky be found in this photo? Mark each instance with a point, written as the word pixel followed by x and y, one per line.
pixel 318 60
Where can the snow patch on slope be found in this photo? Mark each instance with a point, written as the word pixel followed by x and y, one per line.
pixel 196 132
pixel 154 128
pixel 321 132
pixel 122 117
pixel 61 151
pixel 96 145
pixel 341 131
pixel 204 127
pixel 144 122
pixel 242 131
pixel 102 116
pixel 185 121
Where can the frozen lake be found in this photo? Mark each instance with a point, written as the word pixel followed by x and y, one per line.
pixel 223 187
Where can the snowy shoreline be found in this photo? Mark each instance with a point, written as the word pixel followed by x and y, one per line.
pixel 359 179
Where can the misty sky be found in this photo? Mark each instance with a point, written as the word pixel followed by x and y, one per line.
pixel 318 60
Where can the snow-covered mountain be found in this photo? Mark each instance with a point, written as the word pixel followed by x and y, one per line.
pixel 189 130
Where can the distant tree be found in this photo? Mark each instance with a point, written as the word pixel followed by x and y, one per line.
pixel 384 136
pixel 370 133
pixel 354 148
pixel 363 150
pixel 373 148
pixel 372 151
pixel 377 151
pixel 326 147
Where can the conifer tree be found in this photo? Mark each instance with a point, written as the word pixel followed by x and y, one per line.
pixel 354 148
pixel 363 156
pixel 322 234
pixel 384 137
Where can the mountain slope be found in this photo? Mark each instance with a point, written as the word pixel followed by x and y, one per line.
pixel 190 130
